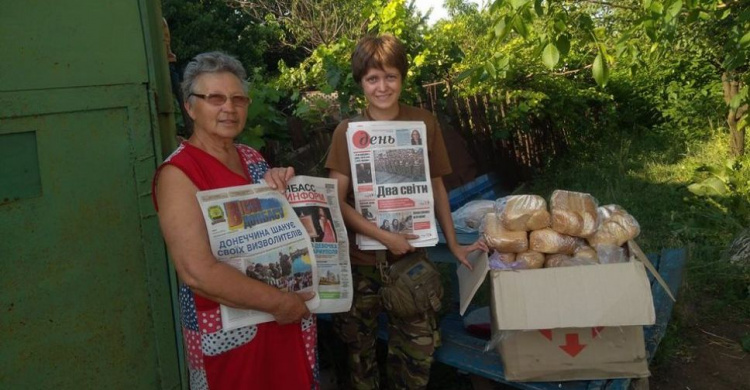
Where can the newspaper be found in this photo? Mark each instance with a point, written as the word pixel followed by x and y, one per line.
pixel 254 229
pixel 391 179
pixel 315 200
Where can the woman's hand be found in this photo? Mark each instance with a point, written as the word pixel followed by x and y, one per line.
pixel 399 244
pixel 292 307
pixel 462 251
pixel 276 178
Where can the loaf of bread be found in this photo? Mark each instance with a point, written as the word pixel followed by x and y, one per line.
pixel 524 212
pixel 555 260
pixel 574 213
pixel 550 241
pixel 616 228
pixel 529 260
pixel 586 252
pixel 507 258
pixel 566 261
pixel 502 240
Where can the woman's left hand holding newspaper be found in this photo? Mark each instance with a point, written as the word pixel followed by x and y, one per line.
pixel 277 178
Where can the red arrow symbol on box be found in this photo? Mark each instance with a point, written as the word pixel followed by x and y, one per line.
pixel 547 333
pixel 572 347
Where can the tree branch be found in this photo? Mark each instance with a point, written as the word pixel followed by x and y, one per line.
pixel 608 4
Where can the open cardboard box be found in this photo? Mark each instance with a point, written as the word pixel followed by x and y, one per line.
pixel 568 323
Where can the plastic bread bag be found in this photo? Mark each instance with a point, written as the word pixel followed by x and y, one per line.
pixel 468 218
pixel 550 241
pixel 524 213
pixel 586 252
pixel 524 260
pixel 501 261
pixel 555 260
pixel 502 240
pixel 498 337
pixel 609 254
pixel 616 228
pixel 529 260
pixel 574 213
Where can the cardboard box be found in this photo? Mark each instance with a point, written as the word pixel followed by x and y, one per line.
pixel 567 323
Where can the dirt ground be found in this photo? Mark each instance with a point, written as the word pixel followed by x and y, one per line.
pixel 709 357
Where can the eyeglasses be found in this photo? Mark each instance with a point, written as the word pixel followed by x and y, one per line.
pixel 216 99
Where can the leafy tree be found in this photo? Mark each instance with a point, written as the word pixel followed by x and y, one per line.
pixel 198 26
pixel 203 25
pixel 637 33
pixel 307 24
pixel 328 68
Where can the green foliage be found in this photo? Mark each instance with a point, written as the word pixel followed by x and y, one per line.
pixel 328 69
pixel 727 189
pixel 199 26
pixel 264 119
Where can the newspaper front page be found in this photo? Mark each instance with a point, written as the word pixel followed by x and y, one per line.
pixel 254 229
pixel 391 179
pixel 315 200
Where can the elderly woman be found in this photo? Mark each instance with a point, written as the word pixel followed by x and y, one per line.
pixel 274 355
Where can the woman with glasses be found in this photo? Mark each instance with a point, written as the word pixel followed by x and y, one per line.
pixel 273 355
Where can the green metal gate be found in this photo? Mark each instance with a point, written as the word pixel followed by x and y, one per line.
pixel 84 279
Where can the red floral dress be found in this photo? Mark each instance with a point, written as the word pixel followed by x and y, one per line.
pixel 263 356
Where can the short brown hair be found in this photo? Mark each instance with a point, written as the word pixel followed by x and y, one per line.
pixel 378 52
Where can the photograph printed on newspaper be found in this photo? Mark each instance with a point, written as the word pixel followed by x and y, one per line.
pixel 391 180
pixel 255 230
pixel 315 200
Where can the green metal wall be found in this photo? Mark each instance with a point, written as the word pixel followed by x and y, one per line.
pixel 84 279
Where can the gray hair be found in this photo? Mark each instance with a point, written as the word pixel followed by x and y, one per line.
pixel 211 62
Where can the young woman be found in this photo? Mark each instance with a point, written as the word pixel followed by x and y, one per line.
pixel 379 65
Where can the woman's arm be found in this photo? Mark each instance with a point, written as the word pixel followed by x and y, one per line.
pixel 187 242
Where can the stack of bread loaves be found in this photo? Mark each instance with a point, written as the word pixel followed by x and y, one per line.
pixel 525 235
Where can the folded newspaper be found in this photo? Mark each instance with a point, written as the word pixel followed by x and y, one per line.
pixel 255 230
pixel 315 201
pixel 391 180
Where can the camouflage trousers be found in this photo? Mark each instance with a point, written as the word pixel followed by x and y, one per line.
pixel 411 341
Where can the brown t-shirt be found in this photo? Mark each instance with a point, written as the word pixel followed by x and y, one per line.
pixel 338 158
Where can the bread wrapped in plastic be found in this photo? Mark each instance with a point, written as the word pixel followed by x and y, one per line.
pixel 616 228
pixel 529 260
pixel 502 261
pixel 609 254
pixel 524 212
pixel 470 216
pixel 586 252
pixel 574 213
pixel 502 240
pixel 566 261
pixel 550 241
pixel 507 258
pixel 555 260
